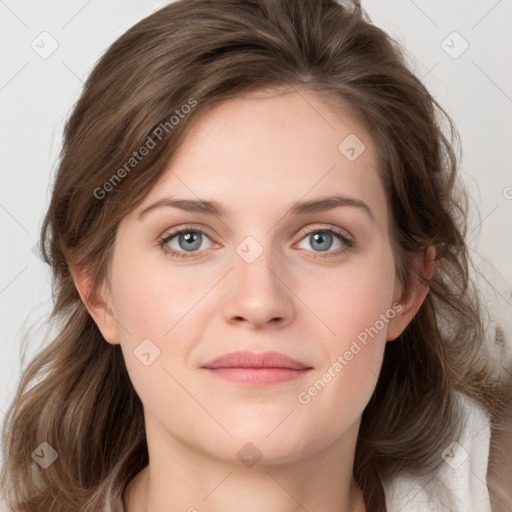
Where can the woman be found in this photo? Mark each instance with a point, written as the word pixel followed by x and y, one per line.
pixel 257 239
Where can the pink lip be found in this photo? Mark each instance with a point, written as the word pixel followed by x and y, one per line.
pixel 251 368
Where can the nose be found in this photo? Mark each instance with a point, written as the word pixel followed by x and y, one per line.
pixel 258 294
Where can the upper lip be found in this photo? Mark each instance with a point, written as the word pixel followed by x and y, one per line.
pixel 245 359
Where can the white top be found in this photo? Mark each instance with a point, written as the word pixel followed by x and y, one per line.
pixel 463 474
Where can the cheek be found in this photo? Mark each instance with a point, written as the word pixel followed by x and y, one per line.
pixel 159 317
pixel 357 307
pixel 355 351
pixel 150 301
pixel 354 299
pixel 339 391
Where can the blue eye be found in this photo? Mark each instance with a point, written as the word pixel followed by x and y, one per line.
pixel 190 242
pixel 322 240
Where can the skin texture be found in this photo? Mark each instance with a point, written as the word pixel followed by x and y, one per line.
pixel 255 155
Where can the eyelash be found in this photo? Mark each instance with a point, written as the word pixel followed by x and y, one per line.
pixel 348 242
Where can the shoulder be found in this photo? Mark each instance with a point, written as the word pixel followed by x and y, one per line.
pixel 459 484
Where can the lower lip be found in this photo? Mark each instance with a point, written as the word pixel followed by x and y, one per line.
pixel 258 376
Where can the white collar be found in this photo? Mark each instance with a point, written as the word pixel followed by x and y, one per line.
pixel 460 483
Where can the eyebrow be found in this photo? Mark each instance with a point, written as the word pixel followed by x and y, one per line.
pixel 299 208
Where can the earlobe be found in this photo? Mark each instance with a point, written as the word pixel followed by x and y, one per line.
pixel 412 300
pixel 97 305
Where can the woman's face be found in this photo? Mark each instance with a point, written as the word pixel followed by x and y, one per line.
pixel 263 275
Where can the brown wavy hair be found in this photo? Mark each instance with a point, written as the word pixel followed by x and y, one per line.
pixel 76 393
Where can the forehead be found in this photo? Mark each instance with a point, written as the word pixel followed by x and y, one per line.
pixel 274 146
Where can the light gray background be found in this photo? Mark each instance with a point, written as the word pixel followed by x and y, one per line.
pixel 36 95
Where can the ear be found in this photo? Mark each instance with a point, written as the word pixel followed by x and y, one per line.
pixel 412 300
pixel 97 306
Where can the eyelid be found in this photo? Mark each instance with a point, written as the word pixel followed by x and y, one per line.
pixel 171 232
pixel 336 229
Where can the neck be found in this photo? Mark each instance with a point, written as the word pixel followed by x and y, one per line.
pixel 138 498
pixel 186 480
